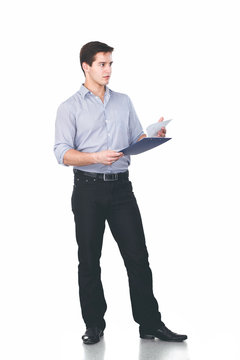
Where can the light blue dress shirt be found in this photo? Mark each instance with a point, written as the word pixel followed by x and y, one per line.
pixel 87 124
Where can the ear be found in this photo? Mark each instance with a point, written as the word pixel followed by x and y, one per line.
pixel 85 66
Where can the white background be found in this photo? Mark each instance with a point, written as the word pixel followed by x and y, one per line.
pixel 179 59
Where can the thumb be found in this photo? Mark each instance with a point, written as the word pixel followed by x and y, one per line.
pixel 161 119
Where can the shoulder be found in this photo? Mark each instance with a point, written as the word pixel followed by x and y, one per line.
pixel 71 103
pixel 119 96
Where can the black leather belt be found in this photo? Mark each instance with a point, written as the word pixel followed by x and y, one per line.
pixel 101 176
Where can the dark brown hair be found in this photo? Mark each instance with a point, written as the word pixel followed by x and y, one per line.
pixel 89 50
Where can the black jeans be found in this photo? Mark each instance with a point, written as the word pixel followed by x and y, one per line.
pixel 93 202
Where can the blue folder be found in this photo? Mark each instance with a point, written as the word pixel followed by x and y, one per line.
pixel 145 144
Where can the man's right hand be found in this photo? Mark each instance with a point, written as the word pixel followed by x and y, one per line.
pixel 107 157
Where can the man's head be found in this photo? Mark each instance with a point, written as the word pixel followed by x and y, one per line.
pixel 96 61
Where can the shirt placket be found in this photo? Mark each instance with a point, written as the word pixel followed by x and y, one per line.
pixel 106 121
pixel 106 98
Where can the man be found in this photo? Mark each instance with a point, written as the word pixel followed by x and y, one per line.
pixel 91 127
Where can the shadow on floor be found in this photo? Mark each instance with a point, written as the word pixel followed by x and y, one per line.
pixel 162 350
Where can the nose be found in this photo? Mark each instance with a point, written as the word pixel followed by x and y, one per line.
pixel 108 69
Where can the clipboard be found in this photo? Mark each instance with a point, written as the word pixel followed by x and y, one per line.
pixel 143 145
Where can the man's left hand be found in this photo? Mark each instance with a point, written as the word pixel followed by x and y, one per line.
pixel 160 133
pixel 163 131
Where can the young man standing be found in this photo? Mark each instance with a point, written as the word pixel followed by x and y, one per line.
pixel 91 126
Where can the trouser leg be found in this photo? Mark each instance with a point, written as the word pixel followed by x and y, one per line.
pixel 89 225
pixel 126 226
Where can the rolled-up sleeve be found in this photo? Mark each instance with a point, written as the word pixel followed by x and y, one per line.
pixel 65 130
pixel 135 127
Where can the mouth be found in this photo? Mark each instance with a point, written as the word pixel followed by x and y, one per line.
pixel 106 77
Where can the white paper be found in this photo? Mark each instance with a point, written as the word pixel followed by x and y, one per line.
pixel 152 130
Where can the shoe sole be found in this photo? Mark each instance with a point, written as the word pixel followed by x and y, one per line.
pixel 151 337
pixel 148 337
pixel 93 341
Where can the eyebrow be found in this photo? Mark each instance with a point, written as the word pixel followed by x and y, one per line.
pixel 104 62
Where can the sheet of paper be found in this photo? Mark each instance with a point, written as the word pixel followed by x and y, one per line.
pixel 152 130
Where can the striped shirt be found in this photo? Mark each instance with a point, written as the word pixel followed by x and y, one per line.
pixel 87 124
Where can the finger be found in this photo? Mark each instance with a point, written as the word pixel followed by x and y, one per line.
pixel 114 153
pixel 116 156
pixel 161 119
pixel 113 158
pixel 161 134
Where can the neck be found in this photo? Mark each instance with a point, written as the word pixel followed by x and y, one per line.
pixel 95 88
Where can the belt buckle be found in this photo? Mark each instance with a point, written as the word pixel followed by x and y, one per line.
pixel 110 177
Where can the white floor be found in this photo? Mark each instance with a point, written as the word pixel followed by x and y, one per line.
pixel 128 346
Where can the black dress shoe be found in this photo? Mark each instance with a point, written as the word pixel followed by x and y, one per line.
pixel 162 333
pixel 92 335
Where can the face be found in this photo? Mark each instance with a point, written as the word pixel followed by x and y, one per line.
pixel 101 68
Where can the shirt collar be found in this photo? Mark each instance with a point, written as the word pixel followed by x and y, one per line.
pixel 83 91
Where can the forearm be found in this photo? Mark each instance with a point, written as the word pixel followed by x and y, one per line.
pixel 142 136
pixel 78 158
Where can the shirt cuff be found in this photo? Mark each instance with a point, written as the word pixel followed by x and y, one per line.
pixel 59 153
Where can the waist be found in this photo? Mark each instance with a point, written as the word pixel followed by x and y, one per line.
pixel 102 176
